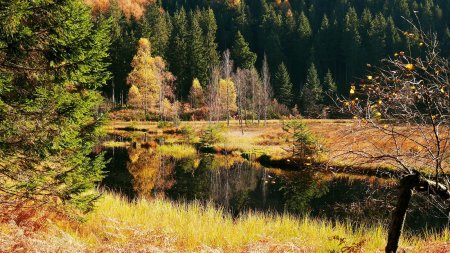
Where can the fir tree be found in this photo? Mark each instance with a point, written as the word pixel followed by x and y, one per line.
pixel 351 44
pixel 329 88
pixel 198 63
pixel 210 29
pixel 283 82
pixel 311 95
pixel 48 121
pixel 241 54
pixel 178 53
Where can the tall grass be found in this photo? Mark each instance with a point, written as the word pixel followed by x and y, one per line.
pixel 118 225
pixel 193 227
pixel 177 150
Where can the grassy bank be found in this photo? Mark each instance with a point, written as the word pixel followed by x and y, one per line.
pixel 159 225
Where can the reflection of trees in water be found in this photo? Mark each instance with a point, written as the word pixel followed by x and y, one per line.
pixel 299 189
pixel 238 185
pixel 151 172
pixel 229 183
pixel 356 200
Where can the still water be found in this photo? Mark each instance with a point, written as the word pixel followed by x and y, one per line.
pixel 238 185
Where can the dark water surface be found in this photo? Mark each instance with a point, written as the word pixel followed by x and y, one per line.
pixel 238 185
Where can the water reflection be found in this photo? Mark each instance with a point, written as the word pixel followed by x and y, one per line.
pixel 237 185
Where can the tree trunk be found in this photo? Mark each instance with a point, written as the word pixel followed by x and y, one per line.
pixel 407 185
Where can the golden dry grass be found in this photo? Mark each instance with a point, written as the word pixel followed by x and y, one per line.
pixel 118 225
pixel 337 137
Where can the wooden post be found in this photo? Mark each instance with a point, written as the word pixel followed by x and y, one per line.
pixel 407 185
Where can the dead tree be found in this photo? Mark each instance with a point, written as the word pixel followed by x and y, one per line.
pixel 266 94
pixel 227 68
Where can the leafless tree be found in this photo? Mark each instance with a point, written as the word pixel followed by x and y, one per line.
pixel 255 99
pixel 404 106
pixel 227 69
pixel 266 94
pixel 212 92
pixel 239 79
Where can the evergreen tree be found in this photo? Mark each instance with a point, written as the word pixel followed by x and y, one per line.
pixel 241 54
pixel 311 95
pixel 156 27
pixel 393 39
pixel 210 30
pixel 284 85
pixel 198 62
pixel 302 48
pixel 123 41
pixel 328 83
pixel 52 61
pixel 269 40
pixel 329 88
pixel 178 53
pixel 351 45
pixel 324 40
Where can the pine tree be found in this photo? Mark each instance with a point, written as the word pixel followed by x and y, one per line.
pixel 210 29
pixel 329 88
pixel 328 83
pixel 351 44
pixel 302 48
pixel 198 63
pixel 324 41
pixel 52 62
pixel 178 53
pixel 311 95
pixel 156 27
pixel 241 54
pixel 283 82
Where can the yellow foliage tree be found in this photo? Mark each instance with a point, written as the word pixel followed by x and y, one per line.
pixel 134 97
pixel 196 94
pixel 227 97
pixel 149 76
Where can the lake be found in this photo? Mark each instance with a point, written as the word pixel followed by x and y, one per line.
pixel 238 185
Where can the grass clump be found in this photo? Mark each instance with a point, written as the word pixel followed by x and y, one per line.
pixel 177 150
pixel 115 144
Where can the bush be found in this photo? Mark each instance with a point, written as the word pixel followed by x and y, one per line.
pixel 304 144
pixel 164 124
pixel 211 135
pixel 188 133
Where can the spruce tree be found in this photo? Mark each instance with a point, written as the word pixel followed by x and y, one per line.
pixel 311 95
pixel 156 27
pixel 52 62
pixel 351 45
pixel 210 29
pixel 302 48
pixel 198 63
pixel 283 83
pixel 241 54
pixel 178 53
pixel 328 83
pixel 329 88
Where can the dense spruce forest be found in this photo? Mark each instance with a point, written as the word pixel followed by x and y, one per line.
pixel 334 40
